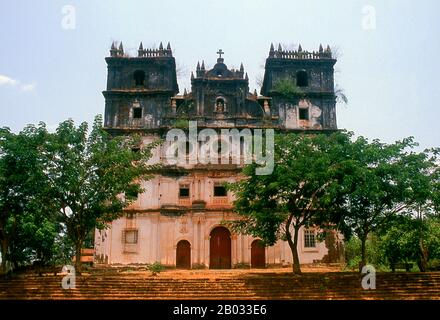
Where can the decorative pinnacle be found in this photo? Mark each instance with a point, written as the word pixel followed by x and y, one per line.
pixel 113 46
pixel 121 47
pixel 192 75
pixel 168 46
pixel 255 93
pixel 279 47
pixel 203 65
pixel 141 47
pixel 184 92
pixel 246 77
pixel 198 65
pixel 161 46
pixel 300 48
pixel 241 67
pixel 321 50
pixel 271 47
pixel 328 49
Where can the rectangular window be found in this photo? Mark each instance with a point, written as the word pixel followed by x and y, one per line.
pixel 309 238
pixel 184 191
pixel 303 114
pixel 220 191
pixel 131 236
pixel 137 113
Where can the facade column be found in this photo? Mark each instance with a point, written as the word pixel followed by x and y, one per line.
pixel 234 254
pixel 158 242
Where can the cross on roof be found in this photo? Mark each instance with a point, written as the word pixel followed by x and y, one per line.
pixel 220 52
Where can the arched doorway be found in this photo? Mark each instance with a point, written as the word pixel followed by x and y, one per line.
pixel 220 249
pixel 183 255
pixel 258 254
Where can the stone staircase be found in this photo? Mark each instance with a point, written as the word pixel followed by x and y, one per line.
pixel 216 285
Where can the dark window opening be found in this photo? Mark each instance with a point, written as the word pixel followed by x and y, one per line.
pixel 188 148
pixel 303 114
pixel 220 191
pixel 184 191
pixel 137 113
pixel 139 77
pixel 302 79
pixel 136 149
pixel 131 236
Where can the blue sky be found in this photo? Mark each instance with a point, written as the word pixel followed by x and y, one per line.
pixel 389 73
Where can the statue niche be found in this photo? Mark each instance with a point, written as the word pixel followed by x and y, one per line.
pixel 220 106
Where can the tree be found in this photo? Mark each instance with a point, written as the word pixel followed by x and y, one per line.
pixel 22 189
pixel 386 180
pixel 92 177
pixel 302 191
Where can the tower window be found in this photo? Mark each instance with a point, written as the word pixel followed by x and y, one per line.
pixel 184 191
pixel 137 113
pixel 220 191
pixel 139 77
pixel 303 114
pixel 302 79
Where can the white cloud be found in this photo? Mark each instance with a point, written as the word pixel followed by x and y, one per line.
pixel 28 87
pixel 7 81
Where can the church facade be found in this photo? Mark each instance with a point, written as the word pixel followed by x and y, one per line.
pixel 179 219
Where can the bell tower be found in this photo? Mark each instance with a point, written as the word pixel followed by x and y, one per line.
pixel 301 85
pixel 139 88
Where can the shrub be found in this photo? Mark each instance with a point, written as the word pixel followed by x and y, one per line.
pixel 155 268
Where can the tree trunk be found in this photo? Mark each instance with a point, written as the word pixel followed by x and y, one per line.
pixel 363 252
pixel 4 250
pixel 294 248
pixel 423 256
pixel 78 247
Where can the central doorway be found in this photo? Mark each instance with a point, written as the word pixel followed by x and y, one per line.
pixel 183 255
pixel 220 249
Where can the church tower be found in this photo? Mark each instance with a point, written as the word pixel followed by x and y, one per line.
pixel 301 85
pixel 139 88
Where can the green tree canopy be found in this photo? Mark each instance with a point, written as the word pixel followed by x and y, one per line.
pixel 92 177
pixel 385 180
pixel 303 189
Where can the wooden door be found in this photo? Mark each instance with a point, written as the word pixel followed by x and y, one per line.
pixel 220 249
pixel 258 254
pixel 183 255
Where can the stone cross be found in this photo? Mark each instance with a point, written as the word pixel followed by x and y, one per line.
pixel 220 52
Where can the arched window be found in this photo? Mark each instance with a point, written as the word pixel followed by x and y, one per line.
pixel 302 78
pixel 139 77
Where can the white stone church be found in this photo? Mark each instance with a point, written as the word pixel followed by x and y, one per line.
pixel 179 219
